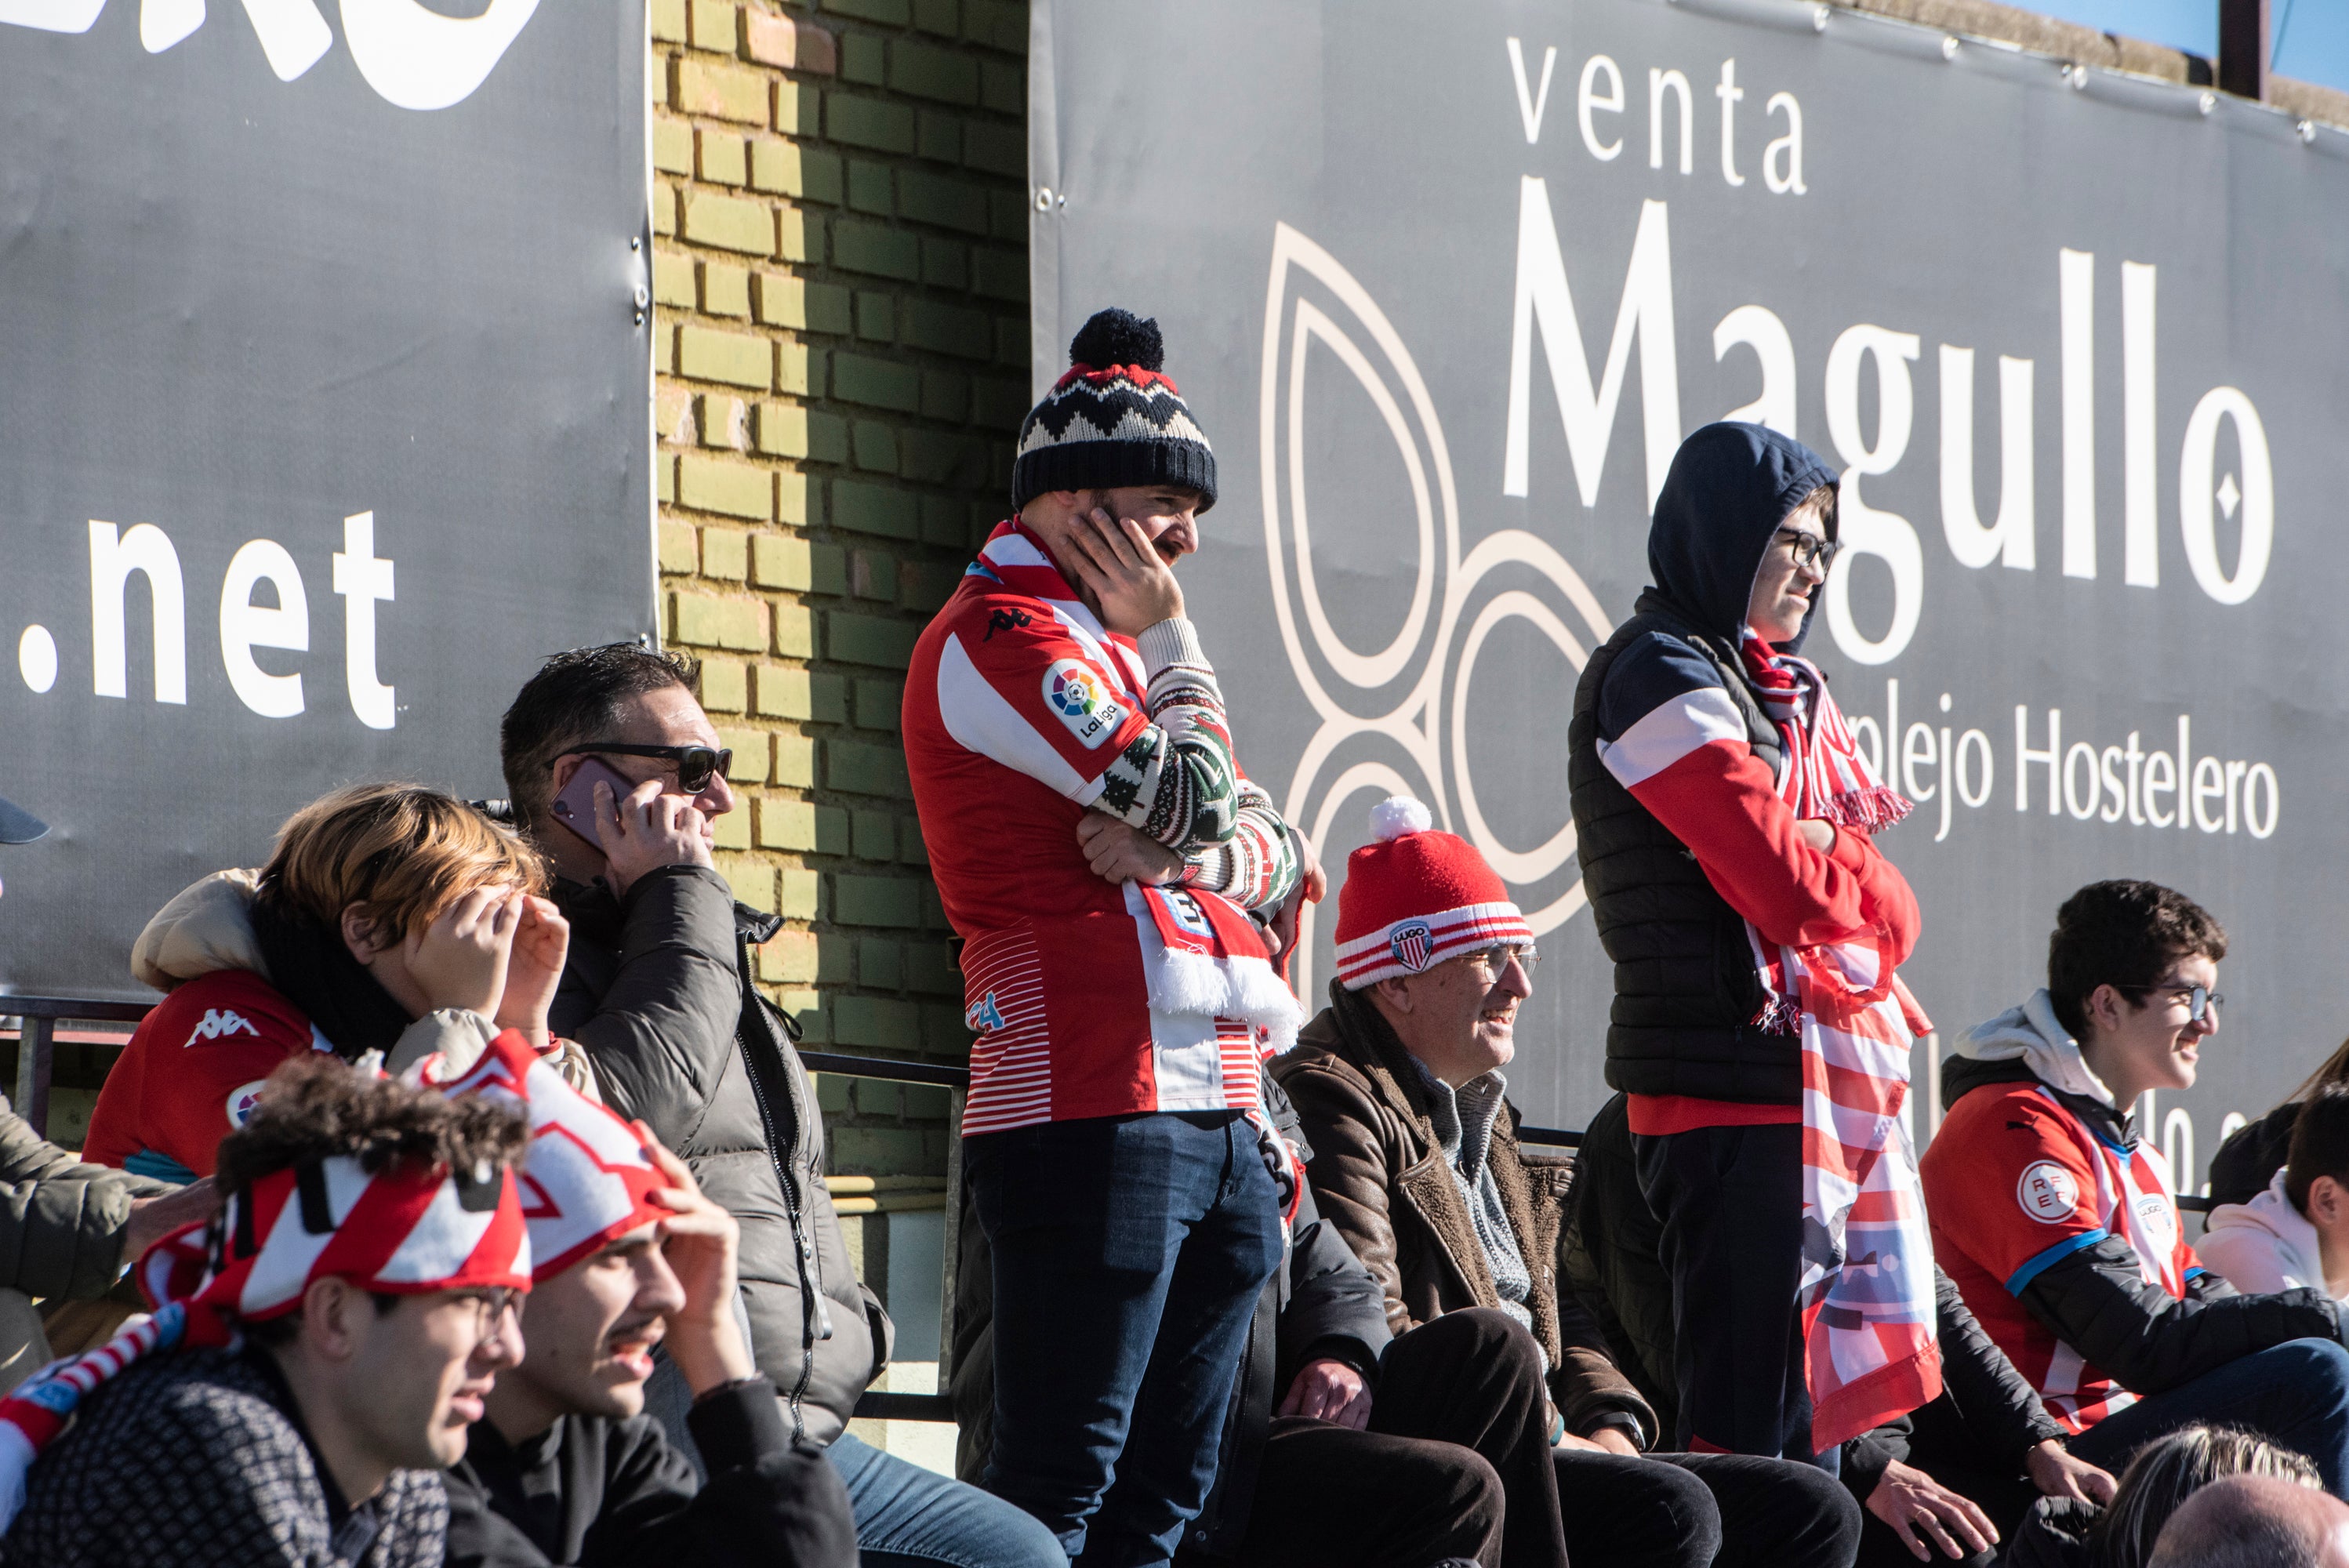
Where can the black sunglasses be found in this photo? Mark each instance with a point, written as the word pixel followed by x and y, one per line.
pixel 696 765
pixel 2200 1002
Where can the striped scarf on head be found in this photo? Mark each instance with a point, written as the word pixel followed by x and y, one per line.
pixel 1866 1285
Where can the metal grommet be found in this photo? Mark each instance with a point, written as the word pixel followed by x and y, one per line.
pixel 1043 198
pixel 1950 48
pixel 2210 102
pixel 1818 18
pixel 2308 130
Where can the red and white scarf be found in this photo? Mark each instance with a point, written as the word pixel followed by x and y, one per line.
pixel 1867 1284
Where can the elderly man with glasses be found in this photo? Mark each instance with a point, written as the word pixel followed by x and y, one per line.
pixel 1400 1089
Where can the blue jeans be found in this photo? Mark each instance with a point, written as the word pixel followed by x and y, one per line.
pixel 2295 1394
pixel 907 1516
pixel 1129 1254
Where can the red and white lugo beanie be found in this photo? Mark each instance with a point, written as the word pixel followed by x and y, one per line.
pixel 1414 897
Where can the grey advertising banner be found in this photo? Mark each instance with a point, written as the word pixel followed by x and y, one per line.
pixel 323 418
pixel 1447 288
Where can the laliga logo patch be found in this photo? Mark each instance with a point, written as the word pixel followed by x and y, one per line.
pixel 1076 694
pixel 2047 1191
pixel 983 1015
pixel 1410 942
pixel 241 1101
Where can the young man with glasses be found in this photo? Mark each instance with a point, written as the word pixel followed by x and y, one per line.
pixel 1725 823
pixel 1399 1088
pixel 2057 1222
pixel 658 989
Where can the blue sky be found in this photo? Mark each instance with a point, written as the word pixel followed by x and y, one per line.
pixel 2311 37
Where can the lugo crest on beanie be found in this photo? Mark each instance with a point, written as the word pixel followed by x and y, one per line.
pixel 1113 419
pixel 1414 897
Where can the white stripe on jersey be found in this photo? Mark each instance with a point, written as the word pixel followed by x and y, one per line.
pixel 1669 732
pixel 982 719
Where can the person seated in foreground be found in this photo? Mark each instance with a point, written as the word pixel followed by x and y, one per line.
pixel 1949 1480
pixel 628 1255
pixel 2255 1522
pixel 2296 1234
pixel 390 918
pixel 2058 1224
pixel 2063 1532
pixel 1416 1161
pixel 318 1355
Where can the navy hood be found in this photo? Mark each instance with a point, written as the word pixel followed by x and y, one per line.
pixel 1730 487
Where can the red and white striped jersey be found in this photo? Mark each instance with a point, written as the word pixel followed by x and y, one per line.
pixel 1021 712
pixel 2016 1182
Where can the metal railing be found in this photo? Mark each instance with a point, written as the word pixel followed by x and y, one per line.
pixel 37 1061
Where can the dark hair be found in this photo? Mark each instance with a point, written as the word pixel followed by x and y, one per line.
pixel 2170 1468
pixel 316 1106
pixel 1826 497
pixel 2320 1143
pixel 573 696
pixel 2124 934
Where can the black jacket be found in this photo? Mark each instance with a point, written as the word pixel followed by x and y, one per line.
pixel 1613 1263
pixel 659 991
pixel 614 1494
pixel 1686 994
pixel 2096 1299
pixel 2249 1160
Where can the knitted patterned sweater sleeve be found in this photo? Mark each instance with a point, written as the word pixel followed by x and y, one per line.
pixel 1257 867
pixel 1175 779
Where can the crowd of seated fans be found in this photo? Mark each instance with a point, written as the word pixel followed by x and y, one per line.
pixel 462 1200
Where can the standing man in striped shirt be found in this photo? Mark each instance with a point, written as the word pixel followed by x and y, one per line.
pixel 1121 890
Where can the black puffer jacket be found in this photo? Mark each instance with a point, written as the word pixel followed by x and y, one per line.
pixel 1685 991
pixel 2096 1300
pixel 658 989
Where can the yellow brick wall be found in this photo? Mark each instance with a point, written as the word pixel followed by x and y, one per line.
pixel 840 283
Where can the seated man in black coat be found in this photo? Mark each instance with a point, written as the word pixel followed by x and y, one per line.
pixel 566 1467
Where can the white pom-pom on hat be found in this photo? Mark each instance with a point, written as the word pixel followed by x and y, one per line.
pixel 1396 815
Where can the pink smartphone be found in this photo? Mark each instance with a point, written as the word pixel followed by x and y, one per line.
pixel 576 807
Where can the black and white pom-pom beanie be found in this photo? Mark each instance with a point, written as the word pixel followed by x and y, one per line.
pixel 1113 419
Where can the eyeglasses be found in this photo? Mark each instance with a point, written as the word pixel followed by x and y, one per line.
pixel 2202 1004
pixel 696 765
pixel 1809 548
pixel 1495 959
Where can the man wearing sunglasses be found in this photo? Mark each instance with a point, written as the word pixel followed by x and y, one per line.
pixel 2055 1217
pixel 658 989
pixel 1400 1088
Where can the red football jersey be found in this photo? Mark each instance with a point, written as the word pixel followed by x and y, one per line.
pixel 1018 708
pixel 190 1076
pixel 2016 1182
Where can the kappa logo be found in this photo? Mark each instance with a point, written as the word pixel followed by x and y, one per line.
pixel 1082 701
pixel 1411 941
pixel 2047 1191
pixel 1004 621
pixel 242 1100
pixel 983 1015
pixel 219 1022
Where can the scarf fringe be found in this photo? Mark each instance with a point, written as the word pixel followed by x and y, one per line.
pixel 1870 809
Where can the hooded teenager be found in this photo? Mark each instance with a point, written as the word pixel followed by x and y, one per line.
pixel 1723 821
